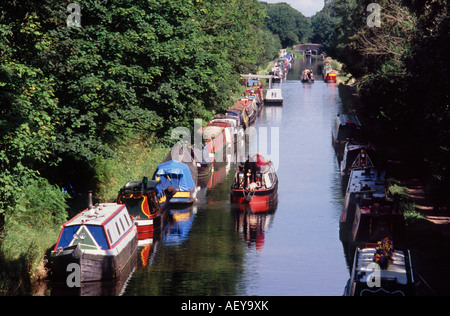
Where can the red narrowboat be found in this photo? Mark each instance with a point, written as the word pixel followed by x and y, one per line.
pixel 255 185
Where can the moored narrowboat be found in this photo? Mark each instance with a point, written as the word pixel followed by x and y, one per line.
pixel 357 155
pixel 255 184
pixel 362 185
pixel 368 213
pixel 330 77
pixel 218 142
pixel 274 97
pixel 368 278
pixel 346 128
pixel 100 241
pixel 182 177
pixel 146 202
pixel 375 218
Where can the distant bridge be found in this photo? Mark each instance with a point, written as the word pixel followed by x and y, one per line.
pixel 315 48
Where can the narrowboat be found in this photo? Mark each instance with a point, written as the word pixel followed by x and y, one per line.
pixel 240 115
pixel 369 279
pixel 196 157
pixel 274 97
pixel 255 184
pixel 308 53
pixel 218 142
pixel 357 155
pixel 277 74
pixel 146 202
pixel 375 218
pixel 237 142
pixel 362 185
pixel 182 177
pixel 330 77
pixel 247 105
pixel 101 241
pixel 368 213
pixel 307 76
pixel 346 128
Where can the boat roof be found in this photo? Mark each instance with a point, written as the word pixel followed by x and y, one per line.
pixel 138 186
pixel 211 130
pixel 173 167
pixel 97 216
pixel 397 270
pixel 369 179
pixel 345 119
pixel 355 145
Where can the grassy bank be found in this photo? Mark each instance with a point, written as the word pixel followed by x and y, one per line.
pixel 26 241
pixel 134 160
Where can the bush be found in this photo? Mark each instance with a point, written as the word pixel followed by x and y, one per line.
pixel 134 160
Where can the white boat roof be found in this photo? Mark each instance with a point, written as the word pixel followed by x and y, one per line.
pixel 396 270
pixel 209 131
pixel 367 178
pixel 95 216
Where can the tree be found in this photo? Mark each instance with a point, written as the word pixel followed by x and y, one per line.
pixel 289 24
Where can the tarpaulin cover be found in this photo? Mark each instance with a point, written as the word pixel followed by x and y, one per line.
pixel 176 174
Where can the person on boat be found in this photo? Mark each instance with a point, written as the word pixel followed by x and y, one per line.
pixel 249 168
pixel 260 162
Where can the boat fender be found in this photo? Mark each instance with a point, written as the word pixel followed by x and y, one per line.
pixel 248 198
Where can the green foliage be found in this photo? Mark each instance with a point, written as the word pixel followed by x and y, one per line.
pixel 134 160
pixel 401 71
pixel 289 24
pixel 74 100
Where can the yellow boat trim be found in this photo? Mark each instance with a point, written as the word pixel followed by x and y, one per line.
pixel 182 195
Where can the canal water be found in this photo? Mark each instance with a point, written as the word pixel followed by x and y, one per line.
pixel 213 250
pixel 295 250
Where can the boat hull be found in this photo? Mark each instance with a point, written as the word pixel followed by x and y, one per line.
pixel 260 201
pixel 95 265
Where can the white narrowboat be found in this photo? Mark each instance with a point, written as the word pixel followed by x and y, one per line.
pixel 100 241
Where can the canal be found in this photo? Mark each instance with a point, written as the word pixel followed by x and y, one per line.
pixel 211 249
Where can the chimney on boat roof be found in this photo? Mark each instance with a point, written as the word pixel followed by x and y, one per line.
pixel 90 200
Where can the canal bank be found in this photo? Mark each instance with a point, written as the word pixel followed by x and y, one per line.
pixel 428 225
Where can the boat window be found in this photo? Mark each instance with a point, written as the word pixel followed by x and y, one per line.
pixel 126 219
pixel 118 230
pixel 121 223
pixel 267 180
pixel 109 236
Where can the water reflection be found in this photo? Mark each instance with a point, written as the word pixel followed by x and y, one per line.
pixel 218 249
pixel 179 226
pixel 252 226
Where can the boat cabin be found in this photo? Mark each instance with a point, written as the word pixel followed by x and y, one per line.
pixel 362 185
pixel 274 97
pixel 144 198
pixel 255 184
pixel 357 155
pixel 100 240
pixel 180 176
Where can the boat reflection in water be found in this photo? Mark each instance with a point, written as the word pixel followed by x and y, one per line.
pixel 252 225
pixel 179 226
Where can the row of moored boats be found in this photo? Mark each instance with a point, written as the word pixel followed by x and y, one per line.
pixel 103 239
pixel 371 220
